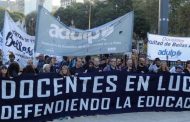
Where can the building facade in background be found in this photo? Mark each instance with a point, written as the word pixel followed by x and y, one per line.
pixel 66 3
pixel 20 6
pixel 28 6
pixel 25 6
pixel 3 3
pixel 8 4
pixel 32 5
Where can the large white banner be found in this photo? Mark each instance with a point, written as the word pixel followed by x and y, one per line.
pixel 16 41
pixel 168 48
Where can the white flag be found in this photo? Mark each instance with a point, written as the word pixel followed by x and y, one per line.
pixel 17 41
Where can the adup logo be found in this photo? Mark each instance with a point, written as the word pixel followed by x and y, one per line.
pixel 56 31
pixel 171 53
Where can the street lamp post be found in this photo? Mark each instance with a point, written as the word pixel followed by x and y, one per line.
pixel 89 16
pixel 72 23
pixel 163 17
pixel 32 23
pixel 116 6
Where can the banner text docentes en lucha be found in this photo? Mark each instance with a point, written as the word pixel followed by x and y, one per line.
pixel 49 96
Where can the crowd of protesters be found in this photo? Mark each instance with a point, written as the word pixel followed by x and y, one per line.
pixel 90 64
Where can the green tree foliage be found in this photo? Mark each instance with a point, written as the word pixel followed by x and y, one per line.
pixel 179 24
pixel 77 12
pixel 101 12
pixel 15 16
pixel 146 14
pixel 146 17
pixel 2 11
pixel 141 26
pixel 31 23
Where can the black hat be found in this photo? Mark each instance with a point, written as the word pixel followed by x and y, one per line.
pixel 3 67
pixel 11 55
pixel 157 59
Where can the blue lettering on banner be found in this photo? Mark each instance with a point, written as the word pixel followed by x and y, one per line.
pixel 171 53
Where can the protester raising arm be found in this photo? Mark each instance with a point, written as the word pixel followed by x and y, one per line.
pixel 173 69
pixel 154 66
pixel 129 67
pixel 142 67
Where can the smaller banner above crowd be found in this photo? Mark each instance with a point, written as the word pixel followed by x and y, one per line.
pixel 168 48
pixel 55 38
pixel 17 41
